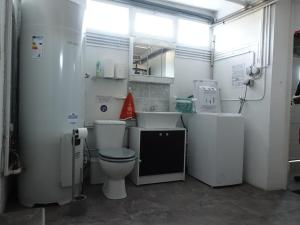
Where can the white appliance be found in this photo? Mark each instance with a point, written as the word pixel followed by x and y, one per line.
pixel 115 161
pixel 51 98
pixel 216 148
pixel 215 140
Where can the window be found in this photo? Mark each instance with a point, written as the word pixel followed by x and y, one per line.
pixel 192 33
pixel 154 25
pixel 112 18
pixel 108 18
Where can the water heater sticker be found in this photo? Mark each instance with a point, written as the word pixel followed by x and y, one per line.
pixel 238 75
pixel 73 118
pixel 37 46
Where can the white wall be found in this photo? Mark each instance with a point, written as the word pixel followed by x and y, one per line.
pixel 266 134
pixel 295 15
pixel 231 36
pixel 281 57
pixel 187 70
pixel 114 90
pixel 102 91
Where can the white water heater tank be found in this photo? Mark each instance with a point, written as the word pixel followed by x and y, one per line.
pixel 51 98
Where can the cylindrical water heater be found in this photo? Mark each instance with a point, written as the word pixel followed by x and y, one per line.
pixel 51 98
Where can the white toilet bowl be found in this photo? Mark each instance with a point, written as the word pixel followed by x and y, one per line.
pixel 116 164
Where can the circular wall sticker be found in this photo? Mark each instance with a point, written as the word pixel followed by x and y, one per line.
pixel 103 108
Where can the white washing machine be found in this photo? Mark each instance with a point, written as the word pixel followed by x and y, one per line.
pixel 216 148
pixel 215 140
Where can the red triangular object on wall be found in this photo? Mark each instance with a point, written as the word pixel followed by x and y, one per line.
pixel 128 110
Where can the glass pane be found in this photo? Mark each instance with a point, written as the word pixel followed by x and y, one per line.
pixel 192 33
pixel 107 17
pixel 154 25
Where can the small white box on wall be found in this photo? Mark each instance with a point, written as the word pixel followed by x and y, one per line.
pixel 108 68
pixel 121 71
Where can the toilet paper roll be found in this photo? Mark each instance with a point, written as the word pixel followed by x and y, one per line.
pixel 82 133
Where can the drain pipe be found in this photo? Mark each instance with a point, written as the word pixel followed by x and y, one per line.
pixel 212 52
pixel 243 100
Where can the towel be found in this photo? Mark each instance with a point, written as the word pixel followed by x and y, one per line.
pixel 128 110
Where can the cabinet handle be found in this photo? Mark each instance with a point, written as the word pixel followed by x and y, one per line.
pixel 167 134
pixel 160 134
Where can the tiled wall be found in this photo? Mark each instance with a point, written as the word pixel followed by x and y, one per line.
pixel 150 97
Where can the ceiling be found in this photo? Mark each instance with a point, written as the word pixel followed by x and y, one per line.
pixel 214 5
pixel 205 9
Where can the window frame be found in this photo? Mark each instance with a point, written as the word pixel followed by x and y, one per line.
pixel 154 13
pixel 91 30
pixel 131 25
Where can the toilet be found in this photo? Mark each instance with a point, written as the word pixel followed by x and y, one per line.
pixel 115 161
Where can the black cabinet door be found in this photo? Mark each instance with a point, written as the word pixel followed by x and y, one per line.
pixel 161 152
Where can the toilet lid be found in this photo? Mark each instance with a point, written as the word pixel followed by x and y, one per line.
pixel 117 153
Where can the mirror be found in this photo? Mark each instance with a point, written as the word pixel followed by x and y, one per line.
pixel 153 59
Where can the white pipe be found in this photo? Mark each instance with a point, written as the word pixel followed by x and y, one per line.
pixel 2 72
pixel 212 38
pixel 243 12
pixel 269 34
pixel 7 87
pixel 262 38
pixel 238 54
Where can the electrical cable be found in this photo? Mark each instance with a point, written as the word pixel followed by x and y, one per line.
pixel 243 100
pixel 181 117
pixel 86 165
pixel 87 149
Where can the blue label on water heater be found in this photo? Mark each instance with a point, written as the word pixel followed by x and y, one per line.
pixel 73 118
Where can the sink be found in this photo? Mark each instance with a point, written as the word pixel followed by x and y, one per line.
pixel 157 119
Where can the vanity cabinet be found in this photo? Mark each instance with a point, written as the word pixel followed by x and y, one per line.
pixel 160 154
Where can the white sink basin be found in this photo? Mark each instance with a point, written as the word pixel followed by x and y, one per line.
pixel 157 119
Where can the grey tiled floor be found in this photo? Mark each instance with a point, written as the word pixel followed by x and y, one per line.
pixel 184 203
pixel 294 171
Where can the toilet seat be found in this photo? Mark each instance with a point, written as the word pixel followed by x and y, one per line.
pixel 117 154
